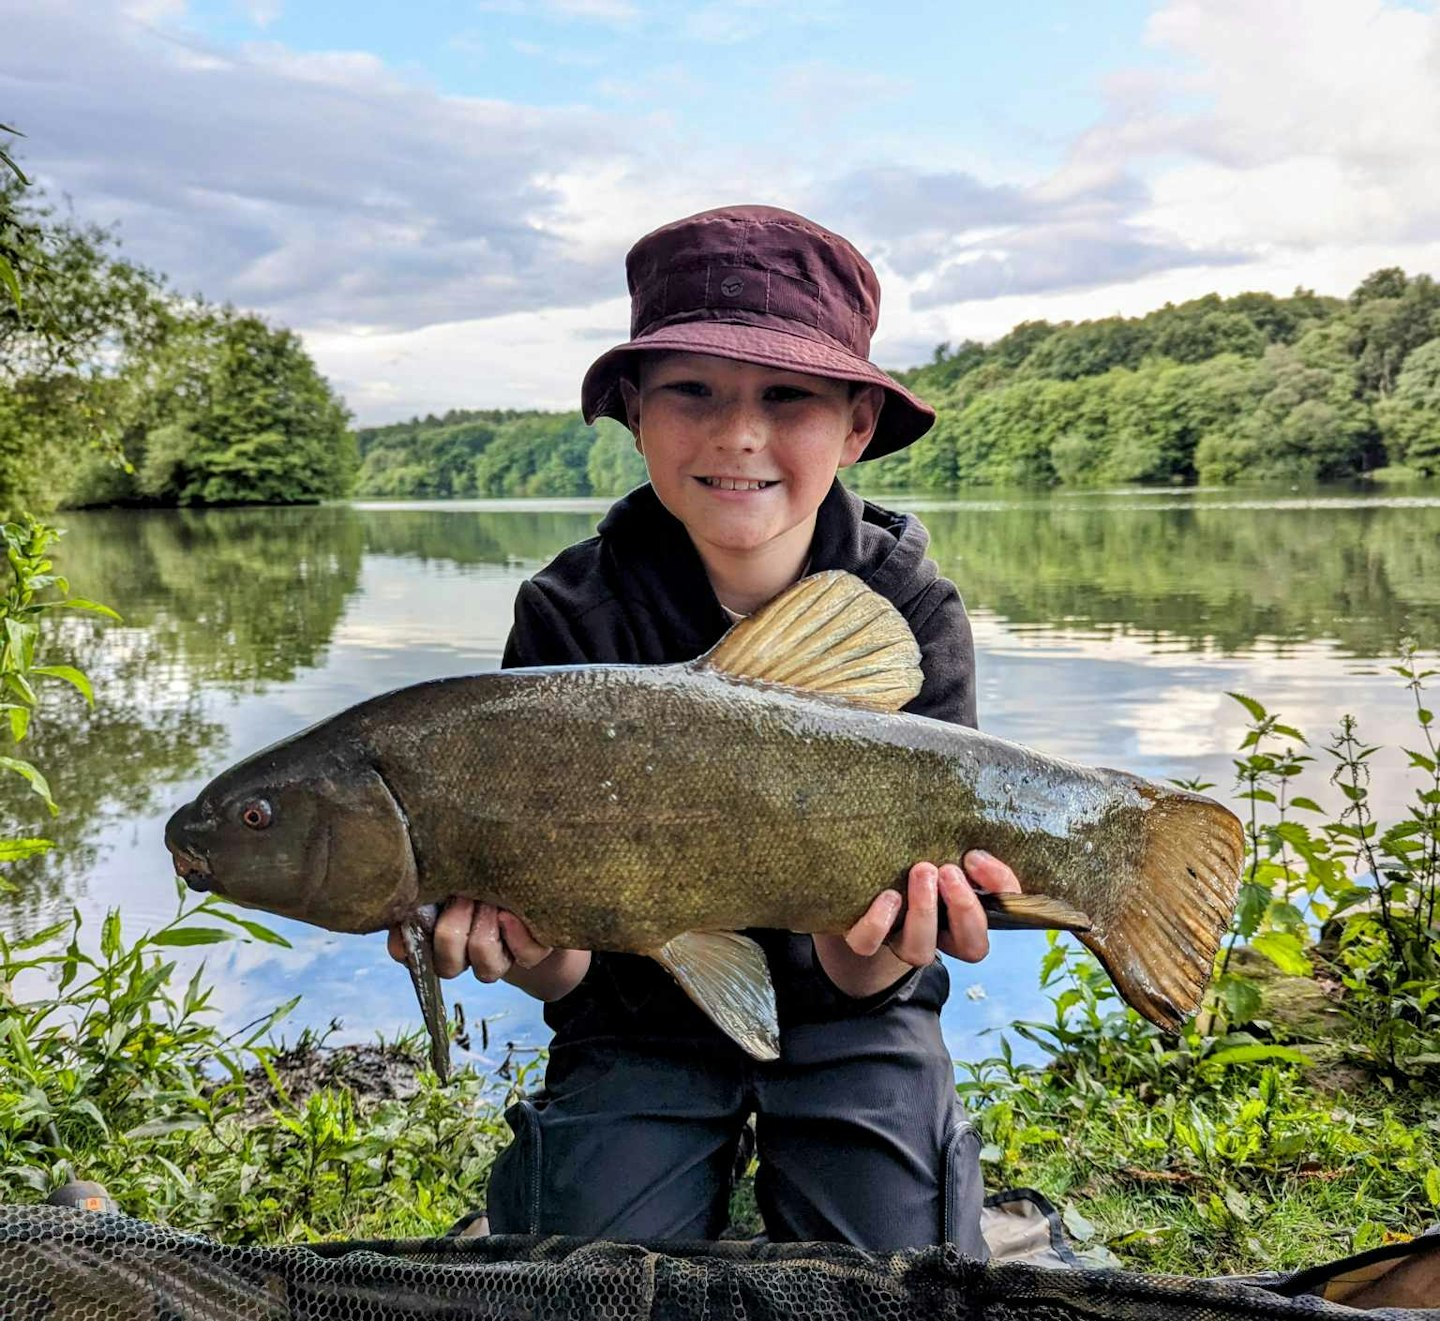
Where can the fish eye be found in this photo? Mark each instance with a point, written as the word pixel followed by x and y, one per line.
pixel 257 814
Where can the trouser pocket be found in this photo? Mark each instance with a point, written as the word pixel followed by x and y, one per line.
pixel 514 1196
pixel 963 1190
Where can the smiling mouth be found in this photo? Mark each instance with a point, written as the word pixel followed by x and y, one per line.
pixel 734 483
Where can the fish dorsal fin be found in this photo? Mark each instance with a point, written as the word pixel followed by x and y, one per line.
pixel 725 973
pixel 829 634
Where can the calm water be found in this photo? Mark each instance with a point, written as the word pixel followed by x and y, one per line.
pixel 1108 626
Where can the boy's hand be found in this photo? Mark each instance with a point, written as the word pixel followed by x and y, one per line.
pixel 861 963
pixel 496 945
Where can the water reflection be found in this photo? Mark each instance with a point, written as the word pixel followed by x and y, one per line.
pixel 1195 574
pixel 222 599
pixel 1108 629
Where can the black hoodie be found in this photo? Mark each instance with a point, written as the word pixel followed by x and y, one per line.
pixel 637 593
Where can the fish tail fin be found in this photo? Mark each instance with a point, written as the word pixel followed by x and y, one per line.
pixel 1159 944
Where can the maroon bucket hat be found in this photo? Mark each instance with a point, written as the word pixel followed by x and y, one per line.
pixel 761 285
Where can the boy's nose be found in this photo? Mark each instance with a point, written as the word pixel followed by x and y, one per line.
pixel 742 429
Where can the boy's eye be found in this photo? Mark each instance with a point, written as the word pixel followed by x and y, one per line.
pixel 786 394
pixel 694 389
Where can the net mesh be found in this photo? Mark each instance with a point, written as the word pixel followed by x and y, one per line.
pixel 62 1265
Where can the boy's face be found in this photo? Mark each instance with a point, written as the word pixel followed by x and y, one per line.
pixel 743 454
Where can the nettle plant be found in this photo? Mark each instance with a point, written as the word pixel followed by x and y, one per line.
pixel 1357 894
pixel 1334 893
pixel 31 590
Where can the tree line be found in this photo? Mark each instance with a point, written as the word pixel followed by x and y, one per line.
pixel 114 389
pixel 1250 388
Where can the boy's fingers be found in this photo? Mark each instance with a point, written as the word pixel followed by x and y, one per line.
pixel 452 930
pixel 395 944
pixel 523 947
pixel 868 934
pixel 916 945
pixel 969 935
pixel 488 956
pixel 989 873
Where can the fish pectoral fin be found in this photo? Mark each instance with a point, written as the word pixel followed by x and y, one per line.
pixel 726 975
pixel 1032 912
pixel 418 931
pixel 829 634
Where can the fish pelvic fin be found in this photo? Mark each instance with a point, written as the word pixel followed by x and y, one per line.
pixel 828 634
pixel 726 975
pixel 418 931
pixel 1160 948
pixel 1032 912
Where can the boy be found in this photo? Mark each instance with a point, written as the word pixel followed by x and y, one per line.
pixel 747 387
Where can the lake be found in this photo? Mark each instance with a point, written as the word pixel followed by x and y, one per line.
pixel 1109 627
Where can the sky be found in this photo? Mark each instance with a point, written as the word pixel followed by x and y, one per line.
pixel 439 195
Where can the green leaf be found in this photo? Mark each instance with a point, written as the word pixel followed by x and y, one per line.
pixel 19 722
pixel 12 850
pixel 70 675
pixel 1432 1185
pixel 36 781
pixel 1241 998
pixel 110 934
pixel 1309 804
pixel 1256 1053
pixel 190 936
pixel 43 937
pixel 254 928
pixel 1257 712
pixel 9 279
pixel 1284 950
pixel 81 603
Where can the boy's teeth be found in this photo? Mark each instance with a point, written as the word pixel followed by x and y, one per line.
pixel 734 484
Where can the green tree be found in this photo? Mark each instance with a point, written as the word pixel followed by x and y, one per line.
pixel 614 466
pixel 65 352
pixel 1410 417
pixel 10 230
pixel 1387 329
pixel 1208 335
pixel 236 413
pixel 1089 349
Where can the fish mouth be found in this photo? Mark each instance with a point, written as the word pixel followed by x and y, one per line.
pixel 192 869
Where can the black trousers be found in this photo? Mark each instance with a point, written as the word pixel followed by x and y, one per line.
pixel 860 1136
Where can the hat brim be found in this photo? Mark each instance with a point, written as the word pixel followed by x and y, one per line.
pixel 903 419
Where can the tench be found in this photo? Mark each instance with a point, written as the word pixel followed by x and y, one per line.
pixel 661 810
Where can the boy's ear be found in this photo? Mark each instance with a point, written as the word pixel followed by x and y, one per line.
pixel 865 408
pixel 631 395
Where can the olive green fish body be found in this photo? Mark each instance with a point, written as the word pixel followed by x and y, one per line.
pixel 661 810
pixel 617 807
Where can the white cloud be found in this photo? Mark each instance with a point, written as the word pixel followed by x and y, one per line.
pixel 620 12
pixel 321 188
pixel 262 13
pixel 438 249
pixel 1320 123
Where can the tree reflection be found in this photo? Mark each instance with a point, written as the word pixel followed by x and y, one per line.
pixel 1204 575
pixel 237 598
pixel 471 536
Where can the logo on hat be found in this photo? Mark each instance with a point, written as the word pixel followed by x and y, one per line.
pixel 731 286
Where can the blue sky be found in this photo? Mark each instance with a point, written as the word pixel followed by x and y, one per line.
pixel 439 195
pixel 1009 83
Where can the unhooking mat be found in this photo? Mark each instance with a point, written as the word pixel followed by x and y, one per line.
pixel 63 1265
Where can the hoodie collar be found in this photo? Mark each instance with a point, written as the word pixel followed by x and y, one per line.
pixel 660 567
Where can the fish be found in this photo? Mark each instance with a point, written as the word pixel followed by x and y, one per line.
pixel 663 810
